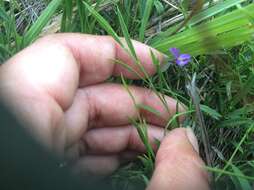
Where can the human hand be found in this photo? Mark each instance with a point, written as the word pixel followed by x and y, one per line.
pixel 57 88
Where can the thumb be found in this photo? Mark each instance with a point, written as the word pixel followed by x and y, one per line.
pixel 178 165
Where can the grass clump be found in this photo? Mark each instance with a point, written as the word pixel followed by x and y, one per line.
pixel 217 86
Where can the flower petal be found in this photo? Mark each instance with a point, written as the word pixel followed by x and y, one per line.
pixel 181 63
pixel 185 57
pixel 175 52
pixel 183 60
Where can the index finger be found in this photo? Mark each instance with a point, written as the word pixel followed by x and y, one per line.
pixel 96 55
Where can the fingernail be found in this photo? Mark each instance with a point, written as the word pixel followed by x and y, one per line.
pixel 192 138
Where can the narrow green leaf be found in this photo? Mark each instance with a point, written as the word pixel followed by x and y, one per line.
pixel 235 122
pixel 145 18
pixel 229 162
pixel 81 15
pixel 104 24
pixel 66 25
pixel 41 22
pixel 212 112
pixel 244 183
pixel 125 85
pixel 130 69
pixel 245 89
pixel 224 172
pixel 159 6
pixel 149 109
pixel 3 49
pixel 212 11
pixel 226 31
pixel 126 34
pixel 3 14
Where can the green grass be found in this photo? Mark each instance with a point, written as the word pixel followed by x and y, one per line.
pixel 217 87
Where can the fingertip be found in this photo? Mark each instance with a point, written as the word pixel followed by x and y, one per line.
pixel 181 141
pixel 178 165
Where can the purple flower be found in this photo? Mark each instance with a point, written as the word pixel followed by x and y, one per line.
pixel 180 59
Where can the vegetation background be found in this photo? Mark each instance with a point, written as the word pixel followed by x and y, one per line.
pixel 217 86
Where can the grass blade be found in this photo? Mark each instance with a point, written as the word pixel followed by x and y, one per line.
pixel 149 109
pixel 104 24
pixel 236 150
pixel 126 34
pixel 145 18
pixel 225 31
pixel 244 184
pixel 41 22
pixel 213 113
pixel 251 178
pixel 3 14
pixel 66 24
pixel 212 11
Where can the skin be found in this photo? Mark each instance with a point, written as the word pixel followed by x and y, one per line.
pixel 57 89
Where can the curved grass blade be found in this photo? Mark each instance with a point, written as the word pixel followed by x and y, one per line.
pixel 126 34
pixel 244 183
pixel 41 22
pixel 198 6
pixel 224 172
pixel 104 24
pixel 225 31
pixel 145 18
pixel 212 11
pixel 3 14
pixel 229 162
